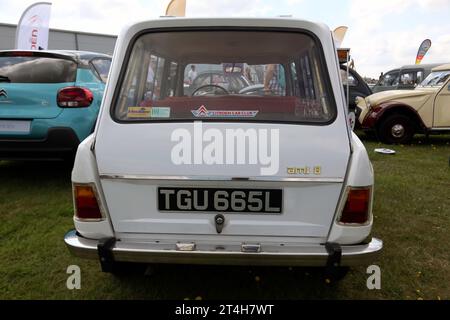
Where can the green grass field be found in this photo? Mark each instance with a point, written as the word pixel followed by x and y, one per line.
pixel 412 216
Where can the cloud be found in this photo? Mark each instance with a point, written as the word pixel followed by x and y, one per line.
pixel 380 42
pixel 294 2
pixel 232 8
pixel 109 16
pixel 379 34
pixel 100 16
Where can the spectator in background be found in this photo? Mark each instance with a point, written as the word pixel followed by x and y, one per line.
pixel 192 74
pixel 151 81
pixel 248 74
pixel 274 81
pixel 151 75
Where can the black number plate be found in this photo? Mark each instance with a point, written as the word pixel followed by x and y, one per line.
pixel 260 201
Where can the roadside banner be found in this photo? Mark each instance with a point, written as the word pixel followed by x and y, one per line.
pixel 32 30
pixel 176 8
pixel 423 49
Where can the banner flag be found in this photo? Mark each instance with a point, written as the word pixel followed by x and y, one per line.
pixel 176 8
pixel 339 35
pixel 32 30
pixel 423 49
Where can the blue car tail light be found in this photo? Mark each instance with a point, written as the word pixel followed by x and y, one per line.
pixel 74 97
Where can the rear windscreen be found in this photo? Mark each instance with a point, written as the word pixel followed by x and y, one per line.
pixel 102 67
pixel 225 75
pixel 37 70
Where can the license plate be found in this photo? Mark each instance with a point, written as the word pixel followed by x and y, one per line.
pixel 13 126
pixel 259 201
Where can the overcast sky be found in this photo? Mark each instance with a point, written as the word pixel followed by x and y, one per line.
pixel 382 33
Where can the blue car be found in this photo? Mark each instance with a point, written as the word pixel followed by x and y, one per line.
pixel 49 101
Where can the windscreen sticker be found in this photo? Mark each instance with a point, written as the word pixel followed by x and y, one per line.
pixel 160 112
pixel 139 112
pixel 202 112
pixel 148 112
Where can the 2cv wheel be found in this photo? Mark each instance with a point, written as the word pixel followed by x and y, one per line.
pixel 396 129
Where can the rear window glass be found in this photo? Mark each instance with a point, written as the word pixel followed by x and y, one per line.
pixel 389 79
pixel 350 80
pixel 436 78
pixel 102 67
pixel 37 70
pixel 225 75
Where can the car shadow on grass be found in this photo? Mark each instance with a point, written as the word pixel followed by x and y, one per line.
pixel 228 282
pixel 419 139
pixel 30 172
pixel 35 179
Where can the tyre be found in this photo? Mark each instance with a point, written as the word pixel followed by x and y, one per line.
pixel 336 274
pixel 396 129
pixel 69 158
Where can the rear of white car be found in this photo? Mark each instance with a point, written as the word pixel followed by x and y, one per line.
pixel 272 176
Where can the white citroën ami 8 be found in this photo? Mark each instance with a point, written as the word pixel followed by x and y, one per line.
pixel 224 141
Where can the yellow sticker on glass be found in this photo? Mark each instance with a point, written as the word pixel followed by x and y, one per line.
pixel 139 112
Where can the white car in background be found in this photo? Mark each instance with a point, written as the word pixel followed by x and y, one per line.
pixel 215 177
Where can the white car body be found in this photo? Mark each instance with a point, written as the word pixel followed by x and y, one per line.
pixel 128 163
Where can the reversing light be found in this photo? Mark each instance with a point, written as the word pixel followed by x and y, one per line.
pixel 357 206
pixel 86 203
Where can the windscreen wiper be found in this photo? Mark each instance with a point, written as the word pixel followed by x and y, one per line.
pixel 4 79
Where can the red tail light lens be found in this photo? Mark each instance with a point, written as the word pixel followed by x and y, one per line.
pixel 86 204
pixel 74 97
pixel 357 206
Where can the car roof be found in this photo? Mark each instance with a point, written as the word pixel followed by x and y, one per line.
pixel 81 54
pixel 421 66
pixel 442 67
pixel 426 66
pixel 131 31
pixel 171 21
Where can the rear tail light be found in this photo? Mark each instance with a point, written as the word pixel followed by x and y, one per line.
pixel 86 203
pixel 357 206
pixel 74 97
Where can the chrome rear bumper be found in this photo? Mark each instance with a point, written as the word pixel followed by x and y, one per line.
pixel 310 255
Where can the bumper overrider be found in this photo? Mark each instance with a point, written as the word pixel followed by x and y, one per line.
pixel 110 250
